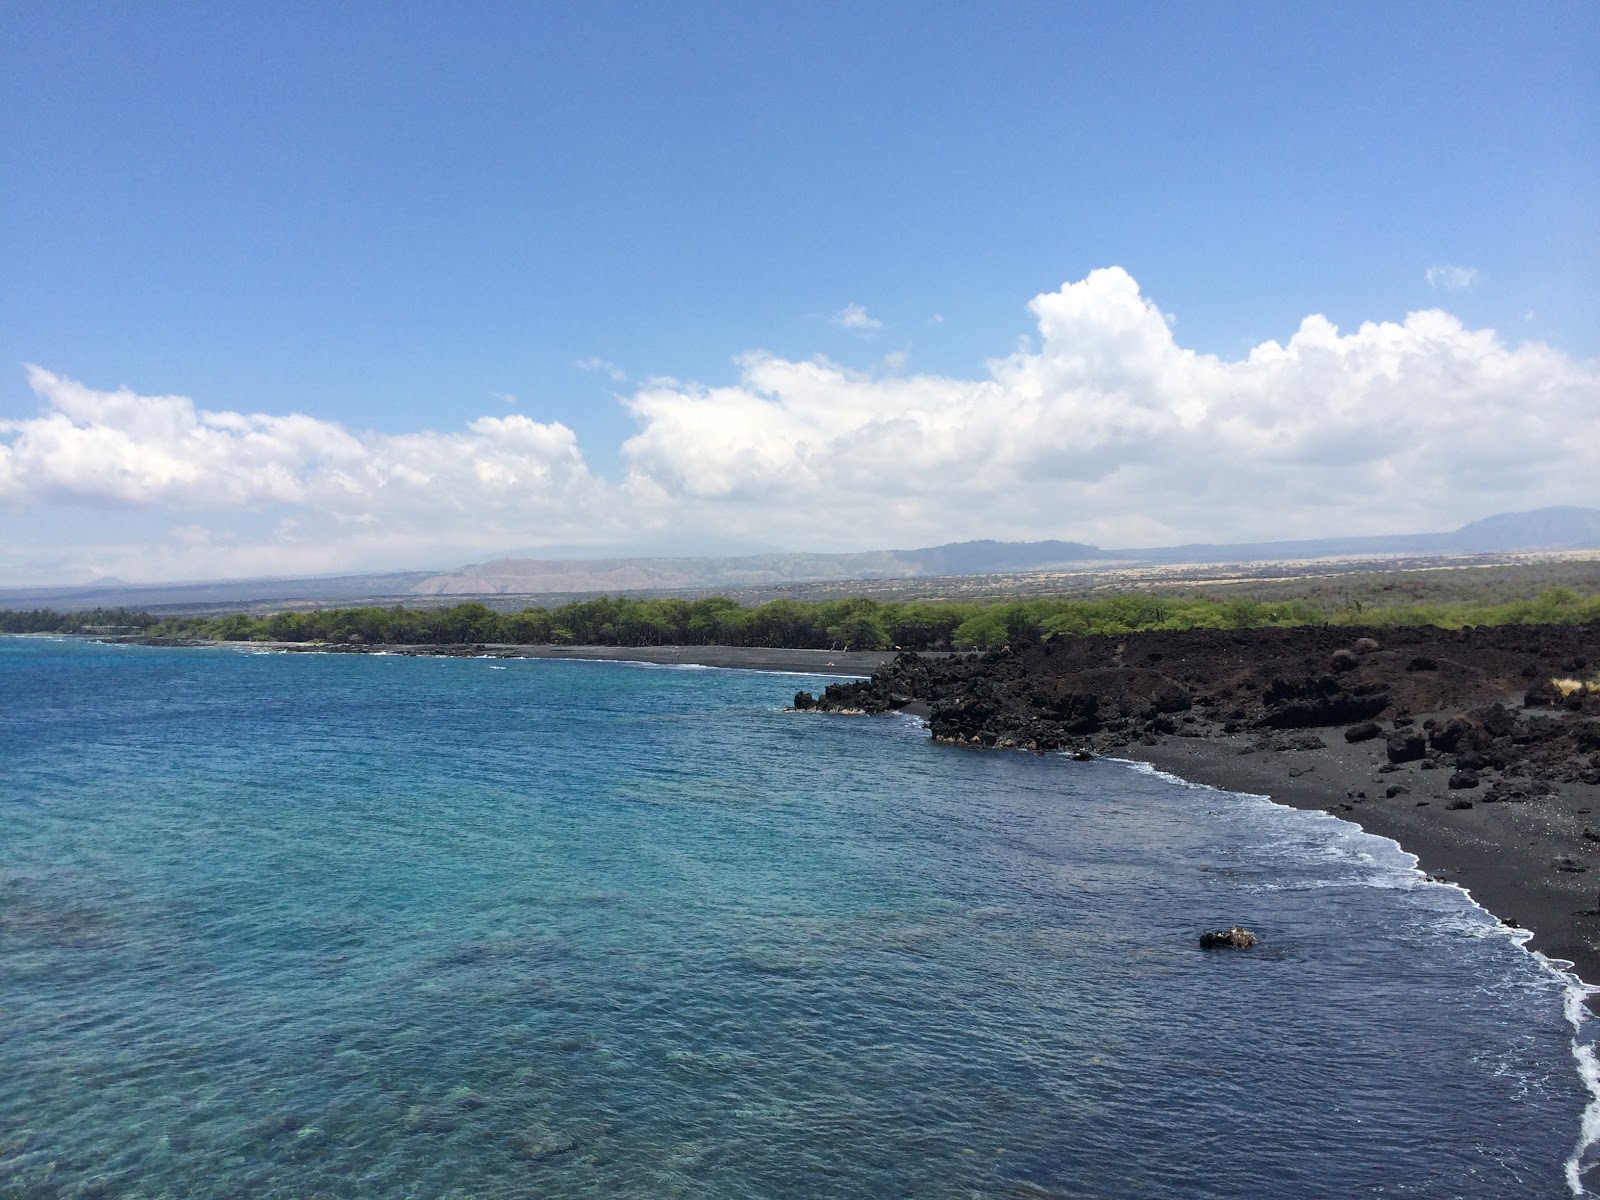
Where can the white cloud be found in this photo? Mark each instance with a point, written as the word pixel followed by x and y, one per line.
pixel 1100 428
pixel 604 367
pixel 1111 431
pixel 855 316
pixel 1443 277
pixel 477 489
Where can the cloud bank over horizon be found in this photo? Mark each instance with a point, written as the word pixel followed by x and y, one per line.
pixel 1102 429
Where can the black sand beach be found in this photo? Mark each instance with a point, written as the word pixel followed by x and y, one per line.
pixel 742 658
pixel 1453 743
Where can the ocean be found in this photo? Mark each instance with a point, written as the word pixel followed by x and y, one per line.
pixel 300 925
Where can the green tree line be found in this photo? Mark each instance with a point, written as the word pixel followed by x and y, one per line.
pixel 854 624
pixel 48 620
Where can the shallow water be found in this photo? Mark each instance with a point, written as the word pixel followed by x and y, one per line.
pixel 301 925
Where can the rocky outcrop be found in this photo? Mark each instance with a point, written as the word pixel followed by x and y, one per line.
pixel 1298 704
pixel 1100 693
pixel 1235 937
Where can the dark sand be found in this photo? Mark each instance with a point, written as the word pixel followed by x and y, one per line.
pixel 846 663
pixel 801 662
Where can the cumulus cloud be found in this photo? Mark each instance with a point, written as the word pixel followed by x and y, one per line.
pixel 1111 430
pixel 1443 277
pixel 1101 428
pixel 495 480
pixel 855 316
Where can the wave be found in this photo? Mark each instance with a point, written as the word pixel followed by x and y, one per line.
pixel 1403 872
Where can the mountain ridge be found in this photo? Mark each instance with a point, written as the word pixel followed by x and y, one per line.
pixel 1557 528
pixel 1566 527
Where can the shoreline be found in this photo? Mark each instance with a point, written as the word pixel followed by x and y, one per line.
pixel 1455 745
pixel 1504 854
pixel 842 663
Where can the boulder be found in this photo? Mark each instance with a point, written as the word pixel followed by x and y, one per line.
pixel 1542 695
pixel 804 701
pixel 1462 780
pixel 1236 937
pixel 1363 732
pixel 1406 746
pixel 1451 734
pixel 1496 720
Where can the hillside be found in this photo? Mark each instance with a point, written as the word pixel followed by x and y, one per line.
pixel 989 566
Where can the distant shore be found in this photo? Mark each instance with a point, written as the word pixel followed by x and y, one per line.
pixel 741 658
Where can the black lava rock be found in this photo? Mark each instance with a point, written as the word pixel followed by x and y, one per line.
pixel 1236 937
pixel 1406 746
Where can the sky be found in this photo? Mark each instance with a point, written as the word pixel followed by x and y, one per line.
pixel 310 288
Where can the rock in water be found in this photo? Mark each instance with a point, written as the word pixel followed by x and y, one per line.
pixel 1236 937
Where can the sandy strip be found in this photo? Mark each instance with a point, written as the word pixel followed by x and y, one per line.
pixel 849 663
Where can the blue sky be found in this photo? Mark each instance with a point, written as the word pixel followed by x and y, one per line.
pixel 398 219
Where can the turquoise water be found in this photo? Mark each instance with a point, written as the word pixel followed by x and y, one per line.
pixel 319 925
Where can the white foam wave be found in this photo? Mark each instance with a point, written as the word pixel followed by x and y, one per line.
pixel 1576 1008
pixel 807 673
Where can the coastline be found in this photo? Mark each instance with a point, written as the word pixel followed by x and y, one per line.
pixel 843 663
pixel 1456 745
pixel 1503 854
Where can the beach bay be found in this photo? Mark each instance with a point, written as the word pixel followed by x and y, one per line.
pixel 380 925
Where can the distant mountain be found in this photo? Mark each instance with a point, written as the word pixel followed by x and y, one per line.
pixel 1563 528
pixel 1545 529
pixel 993 558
